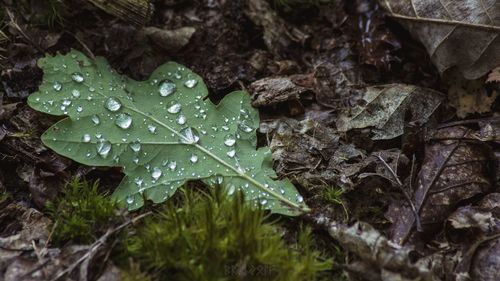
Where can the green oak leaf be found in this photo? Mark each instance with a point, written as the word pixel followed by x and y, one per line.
pixel 162 132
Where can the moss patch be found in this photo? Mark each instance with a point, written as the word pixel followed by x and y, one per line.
pixel 214 237
pixel 81 214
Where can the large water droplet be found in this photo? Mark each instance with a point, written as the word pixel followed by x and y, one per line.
pixel 300 199
pixel 86 138
pixel 229 140
pixel 167 88
pixel 112 104
pixel 189 135
pixel 130 199
pixel 75 93
pixel 66 102
pixel 135 146
pixel 191 83
pixel 123 121
pixel 193 158
pixel 152 128
pixel 156 174
pixel 77 77
pixel 263 202
pixel 175 108
pixel 96 120
pixel 245 126
pixel 181 120
pixel 103 148
pixel 57 86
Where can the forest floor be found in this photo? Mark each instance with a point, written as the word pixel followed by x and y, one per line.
pixel 397 163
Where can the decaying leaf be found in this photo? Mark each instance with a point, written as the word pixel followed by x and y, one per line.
pixel 386 260
pixel 476 231
pixel 455 168
pixel 277 34
pixel 460 34
pixel 470 96
pixel 137 12
pixel 386 109
pixel 161 131
pixel 170 40
pixel 271 91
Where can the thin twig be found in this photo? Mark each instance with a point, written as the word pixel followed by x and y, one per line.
pixel 97 244
pixel 406 195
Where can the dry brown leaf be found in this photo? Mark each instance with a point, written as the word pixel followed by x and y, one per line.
pixel 461 34
pixel 455 168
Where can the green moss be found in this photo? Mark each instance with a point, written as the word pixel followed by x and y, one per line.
pixel 216 237
pixel 334 196
pixel 81 214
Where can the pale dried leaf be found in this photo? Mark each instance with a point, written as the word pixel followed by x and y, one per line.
pixel 385 109
pixel 461 34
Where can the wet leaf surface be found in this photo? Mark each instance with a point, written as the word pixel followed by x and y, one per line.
pixel 160 131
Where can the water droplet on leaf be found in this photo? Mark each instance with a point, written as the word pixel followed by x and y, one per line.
pixel 57 86
pixel 191 83
pixel 167 88
pixel 86 138
pixel 135 146
pixel 77 77
pixel 231 153
pixel 96 120
pixel 175 108
pixel 156 174
pixel 103 148
pixel 193 158
pixel 75 93
pixel 112 104
pixel 123 120
pixel 181 120
pixel 152 128
pixel 229 140
pixel 189 135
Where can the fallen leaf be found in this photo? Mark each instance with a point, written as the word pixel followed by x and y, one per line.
pixel 460 34
pixel 386 109
pixel 170 40
pixel 454 169
pixel 162 132
pixel 271 91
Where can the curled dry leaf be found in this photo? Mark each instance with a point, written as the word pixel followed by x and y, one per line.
pixel 271 91
pixel 461 34
pixel 170 40
pixel 387 108
pixel 455 168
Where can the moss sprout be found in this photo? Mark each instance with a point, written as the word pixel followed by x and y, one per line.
pixel 81 214
pixel 210 236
